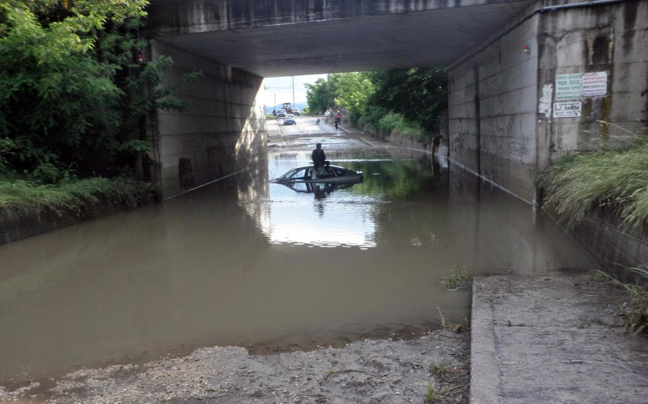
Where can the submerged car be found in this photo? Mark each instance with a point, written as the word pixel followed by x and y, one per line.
pixel 316 188
pixel 289 120
pixel 327 174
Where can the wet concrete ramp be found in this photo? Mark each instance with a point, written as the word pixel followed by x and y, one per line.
pixel 553 339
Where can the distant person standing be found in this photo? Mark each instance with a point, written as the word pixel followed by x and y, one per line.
pixel 436 141
pixel 338 118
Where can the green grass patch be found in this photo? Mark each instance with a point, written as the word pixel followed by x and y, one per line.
pixel 439 369
pixel 609 180
pixel 443 394
pixel 456 279
pixel 635 309
pixel 31 198
pixel 431 395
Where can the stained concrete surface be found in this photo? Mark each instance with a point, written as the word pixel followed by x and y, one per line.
pixel 553 339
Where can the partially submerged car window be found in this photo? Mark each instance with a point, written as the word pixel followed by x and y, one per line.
pixel 295 174
pixel 330 172
pixel 341 172
pixel 300 187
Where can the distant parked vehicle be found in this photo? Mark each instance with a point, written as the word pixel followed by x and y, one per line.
pixel 281 113
pixel 287 107
pixel 289 120
pixel 296 111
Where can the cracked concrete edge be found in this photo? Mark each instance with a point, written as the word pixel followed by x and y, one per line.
pixel 485 373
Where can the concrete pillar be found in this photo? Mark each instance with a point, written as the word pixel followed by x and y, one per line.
pixel 223 132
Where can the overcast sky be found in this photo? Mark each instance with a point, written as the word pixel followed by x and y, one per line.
pixel 282 87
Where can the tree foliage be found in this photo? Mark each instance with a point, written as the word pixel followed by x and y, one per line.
pixel 321 95
pixel 418 94
pixel 409 100
pixel 71 90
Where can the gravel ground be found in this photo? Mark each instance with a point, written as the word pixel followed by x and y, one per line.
pixel 369 371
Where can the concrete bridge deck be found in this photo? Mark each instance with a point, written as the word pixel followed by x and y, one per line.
pixel 272 38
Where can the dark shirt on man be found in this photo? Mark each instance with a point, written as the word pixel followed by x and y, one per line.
pixel 318 157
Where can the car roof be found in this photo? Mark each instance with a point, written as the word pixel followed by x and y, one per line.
pixel 311 166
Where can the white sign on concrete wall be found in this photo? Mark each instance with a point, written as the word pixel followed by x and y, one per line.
pixel 594 84
pixel 544 106
pixel 568 86
pixel 567 109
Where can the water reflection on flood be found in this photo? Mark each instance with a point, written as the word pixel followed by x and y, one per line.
pixel 246 262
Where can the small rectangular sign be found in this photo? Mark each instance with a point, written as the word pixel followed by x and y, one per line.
pixel 568 86
pixel 567 109
pixel 594 84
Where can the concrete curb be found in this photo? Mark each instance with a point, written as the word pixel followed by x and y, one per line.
pixel 484 365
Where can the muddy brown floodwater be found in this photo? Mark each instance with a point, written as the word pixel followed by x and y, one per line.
pixel 250 263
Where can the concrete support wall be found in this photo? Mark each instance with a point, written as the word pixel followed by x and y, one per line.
pixel 612 246
pixel 502 99
pixel 492 110
pixel 611 39
pixel 502 115
pixel 222 133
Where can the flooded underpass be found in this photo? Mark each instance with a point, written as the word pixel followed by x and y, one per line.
pixel 251 263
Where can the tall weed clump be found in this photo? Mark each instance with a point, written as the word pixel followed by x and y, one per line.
pixel 610 180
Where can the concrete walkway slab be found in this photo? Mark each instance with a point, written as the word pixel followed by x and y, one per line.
pixel 553 339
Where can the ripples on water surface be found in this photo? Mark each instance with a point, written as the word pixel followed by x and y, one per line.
pixel 251 263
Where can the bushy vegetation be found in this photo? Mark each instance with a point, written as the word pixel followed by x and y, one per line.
pixel 615 181
pixel 75 91
pixel 419 95
pixel 68 194
pixel 408 101
pixel 383 122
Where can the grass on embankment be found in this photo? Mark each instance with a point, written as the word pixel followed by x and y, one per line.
pixel 635 308
pixel 613 181
pixel 27 197
pixel 610 180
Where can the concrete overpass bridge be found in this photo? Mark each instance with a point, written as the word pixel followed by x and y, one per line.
pixel 273 38
pixel 511 111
